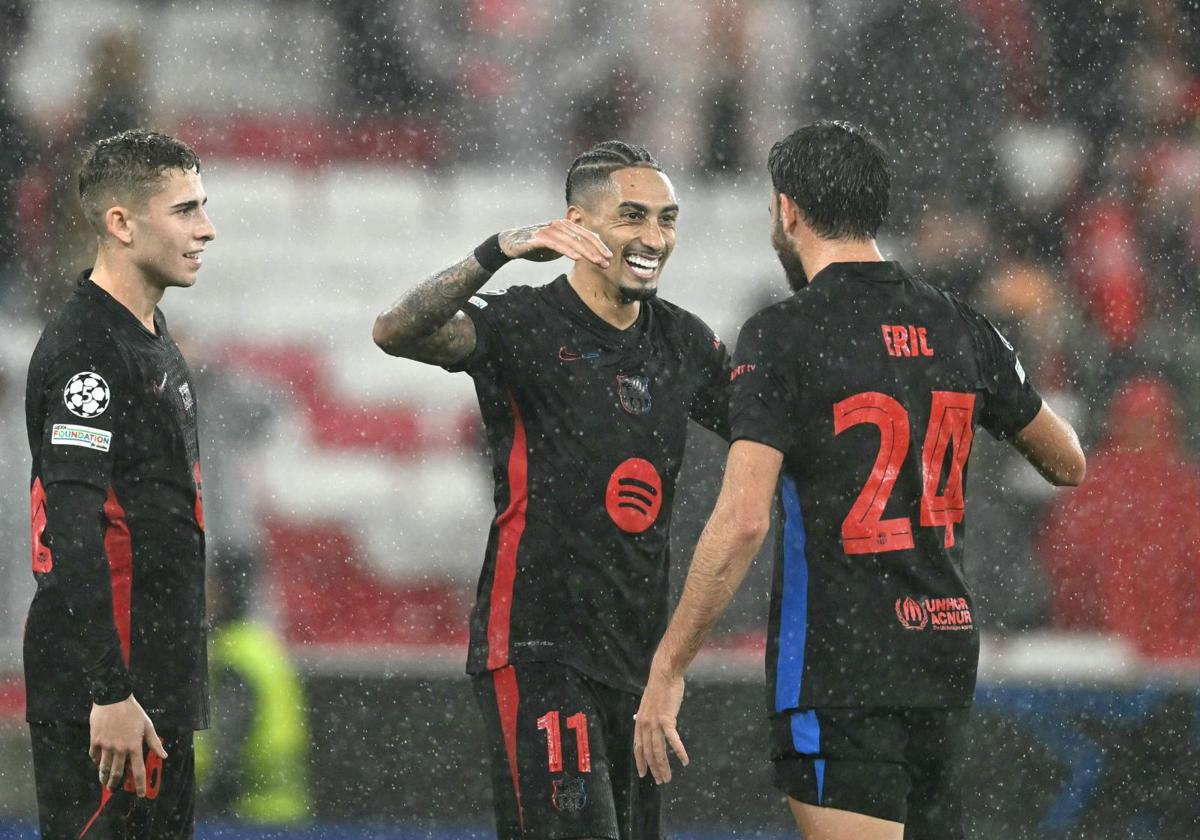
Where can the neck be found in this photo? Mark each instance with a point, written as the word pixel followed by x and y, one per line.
pixel 129 286
pixel 604 298
pixel 821 253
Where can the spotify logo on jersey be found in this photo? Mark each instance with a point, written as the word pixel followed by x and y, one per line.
pixel 634 495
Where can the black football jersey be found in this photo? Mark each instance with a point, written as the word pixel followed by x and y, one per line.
pixel 586 425
pixel 117 516
pixel 872 383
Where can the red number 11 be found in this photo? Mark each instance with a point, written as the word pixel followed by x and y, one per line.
pixel 578 722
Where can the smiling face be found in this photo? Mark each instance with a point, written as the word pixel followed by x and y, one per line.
pixel 635 217
pixel 170 229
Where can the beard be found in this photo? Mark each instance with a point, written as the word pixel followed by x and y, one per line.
pixel 789 258
pixel 636 294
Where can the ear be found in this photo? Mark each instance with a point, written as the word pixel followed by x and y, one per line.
pixel 118 221
pixel 789 213
pixel 575 214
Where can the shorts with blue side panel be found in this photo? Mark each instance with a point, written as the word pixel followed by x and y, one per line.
pixel 898 764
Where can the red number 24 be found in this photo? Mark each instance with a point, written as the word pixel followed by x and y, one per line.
pixel 864 530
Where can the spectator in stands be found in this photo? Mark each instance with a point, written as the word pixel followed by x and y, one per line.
pixel 114 101
pixel 1123 551
pixel 920 76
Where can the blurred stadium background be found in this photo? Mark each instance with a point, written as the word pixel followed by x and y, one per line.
pixel 1047 156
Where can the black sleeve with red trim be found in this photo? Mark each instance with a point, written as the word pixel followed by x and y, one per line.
pixel 760 395
pixel 75 535
pixel 1012 401
pixel 85 389
pixel 710 406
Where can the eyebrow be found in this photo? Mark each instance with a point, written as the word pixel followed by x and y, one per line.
pixel 188 205
pixel 637 205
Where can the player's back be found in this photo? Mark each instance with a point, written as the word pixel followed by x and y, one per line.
pixel 871 383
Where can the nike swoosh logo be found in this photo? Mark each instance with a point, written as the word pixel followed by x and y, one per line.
pixel 565 355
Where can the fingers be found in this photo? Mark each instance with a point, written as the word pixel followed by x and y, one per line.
pixel 94 753
pixel 104 760
pixel 588 244
pixel 573 241
pixel 639 757
pixel 650 742
pixel 139 772
pixel 660 765
pixel 117 772
pixel 153 741
pixel 677 746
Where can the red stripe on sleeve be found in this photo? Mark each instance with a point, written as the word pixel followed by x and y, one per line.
pixel 508 698
pixel 43 560
pixel 118 547
pixel 512 526
pixel 199 494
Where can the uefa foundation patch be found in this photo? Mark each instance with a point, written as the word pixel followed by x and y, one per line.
pixel 64 434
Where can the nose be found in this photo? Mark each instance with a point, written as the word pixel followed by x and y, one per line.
pixel 653 236
pixel 207 232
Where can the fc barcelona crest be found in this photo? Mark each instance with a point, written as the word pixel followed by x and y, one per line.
pixel 569 795
pixel 634 392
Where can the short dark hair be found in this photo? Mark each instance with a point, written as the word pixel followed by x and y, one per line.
pixel 838 175
pixel 127 168
pixel 594 167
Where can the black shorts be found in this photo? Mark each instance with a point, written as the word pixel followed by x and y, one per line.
pixel 69 793
pixel 896 764
pixel 562 756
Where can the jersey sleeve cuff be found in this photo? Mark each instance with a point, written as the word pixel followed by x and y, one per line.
pixel 472 359
pixel 1022 418
pixel 766 439
pixel 109 681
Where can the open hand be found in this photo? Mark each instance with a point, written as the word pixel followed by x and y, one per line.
pixel 655 727
pixel 551 240
pixel 118 731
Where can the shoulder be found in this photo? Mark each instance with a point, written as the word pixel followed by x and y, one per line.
pixel 784 319
pixel 507 297
pixel 70 341
pixel 679 320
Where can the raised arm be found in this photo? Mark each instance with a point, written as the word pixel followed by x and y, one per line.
pixel 427 324
pixel 1050 444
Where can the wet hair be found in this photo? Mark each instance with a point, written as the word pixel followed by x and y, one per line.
pixel 838 175
pixel 126 168
pixel 594 167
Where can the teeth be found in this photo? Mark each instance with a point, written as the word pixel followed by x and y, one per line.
pixel 648 263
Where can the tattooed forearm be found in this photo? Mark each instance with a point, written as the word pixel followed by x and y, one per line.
pixel 425 315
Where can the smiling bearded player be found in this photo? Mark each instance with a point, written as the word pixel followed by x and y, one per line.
pixel 585 385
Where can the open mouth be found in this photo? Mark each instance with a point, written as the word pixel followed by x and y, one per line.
pixel 642 265
pixel 194 256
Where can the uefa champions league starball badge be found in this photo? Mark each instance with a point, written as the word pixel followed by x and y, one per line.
pixel 86 395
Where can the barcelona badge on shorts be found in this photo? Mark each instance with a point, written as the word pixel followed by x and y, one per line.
pixel 569 796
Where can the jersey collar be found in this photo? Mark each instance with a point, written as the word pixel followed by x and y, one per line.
pixel 872 272
pixel 84 286
pixel 569 299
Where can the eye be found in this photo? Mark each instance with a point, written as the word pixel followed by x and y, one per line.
pixel 668 221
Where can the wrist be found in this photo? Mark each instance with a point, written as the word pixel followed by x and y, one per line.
pixel 490 255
